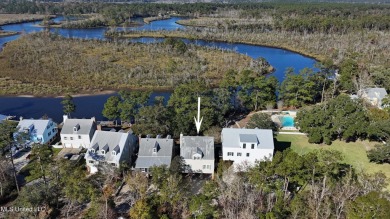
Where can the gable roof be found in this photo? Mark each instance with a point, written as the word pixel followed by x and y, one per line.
pixel 40 125
pixel 147 158
pixel 84 126
pixel 190 145
pixel 110 141
pixel 231 137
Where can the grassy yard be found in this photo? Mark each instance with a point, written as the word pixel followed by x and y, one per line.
pixel 354 153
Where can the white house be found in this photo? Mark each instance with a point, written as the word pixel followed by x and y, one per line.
pixel 41 131
pixel 245 146
pixel 198 154
pixel 154 152
pixel 113 148
pixel 77 133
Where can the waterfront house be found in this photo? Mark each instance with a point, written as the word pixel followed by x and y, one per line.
pixel 111 148
pixel 77 133
pixel 42 131
pixel 154 152
pixel 246 146
pixel 198 154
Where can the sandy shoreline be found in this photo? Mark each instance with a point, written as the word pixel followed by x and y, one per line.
pixel 62 96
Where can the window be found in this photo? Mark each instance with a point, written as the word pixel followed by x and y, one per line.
pixel 209 167
pixel 230 154
pixel 103 151
pixel 79 136
pixel 113 153
pixel 65 138
pixel 71 138
pixel 247 154
pixel 143 169
pixel 154 150
pixel 253 146
pixel 49 133
pixel 204 166
pixel 91 161
pixel 244 146
pixel 93 150
pixel 239 154
pixel 113 164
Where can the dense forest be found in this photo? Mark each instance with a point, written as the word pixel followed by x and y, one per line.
pixel 74 65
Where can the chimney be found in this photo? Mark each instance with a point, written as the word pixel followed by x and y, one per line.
pixel 99 127
pixel 181 139
pixel 93 119
pixel 65 117
pixel 21 118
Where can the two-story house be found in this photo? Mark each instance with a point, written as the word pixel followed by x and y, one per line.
pixel 77 133
pixel 246 146
pixel 41 131
pixel 112 148
pixel 198 154
pixel 154 152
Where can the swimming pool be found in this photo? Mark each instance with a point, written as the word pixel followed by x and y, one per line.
pixel 287 121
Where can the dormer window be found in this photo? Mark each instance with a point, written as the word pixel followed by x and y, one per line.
pixel 198 154
pixel 95 148
pixel 76 128
pixel 104 149
pixel 156 147
pixel 244 146
pixel 115 151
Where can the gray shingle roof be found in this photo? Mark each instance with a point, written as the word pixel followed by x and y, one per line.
pixel 40 125
pixel 231 137
pixel 84 126
pixel 109 140
pixel 146 156
pixel 190 145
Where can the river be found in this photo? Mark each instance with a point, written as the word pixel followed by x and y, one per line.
pixel 88 106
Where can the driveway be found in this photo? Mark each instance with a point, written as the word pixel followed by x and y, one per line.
pixel 68 151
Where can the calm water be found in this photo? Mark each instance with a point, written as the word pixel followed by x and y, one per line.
pixel 92 105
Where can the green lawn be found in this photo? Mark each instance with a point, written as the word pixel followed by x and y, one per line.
pixel 56 151
pixel 354 153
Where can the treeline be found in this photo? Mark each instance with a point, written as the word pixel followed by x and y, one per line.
pixel 119 13
pixel 237 94
pixel 85 23
pixel 87 65
pixel 344 119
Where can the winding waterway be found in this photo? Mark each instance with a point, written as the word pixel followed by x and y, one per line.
pixel 88 106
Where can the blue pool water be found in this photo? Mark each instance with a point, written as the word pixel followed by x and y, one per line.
pixel 287 121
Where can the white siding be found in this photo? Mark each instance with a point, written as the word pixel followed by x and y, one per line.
pixel 76 142
pixel 197 165
pixel 254 154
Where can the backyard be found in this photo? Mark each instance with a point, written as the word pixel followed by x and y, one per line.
pixel 354 152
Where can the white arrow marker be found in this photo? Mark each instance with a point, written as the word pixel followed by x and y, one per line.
pixel 199 121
